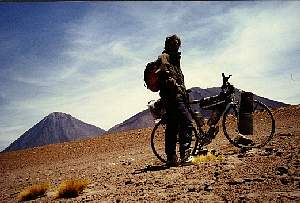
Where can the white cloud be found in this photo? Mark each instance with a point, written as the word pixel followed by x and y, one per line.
pixel 258 43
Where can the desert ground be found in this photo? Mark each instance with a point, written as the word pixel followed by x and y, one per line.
pixel 121 167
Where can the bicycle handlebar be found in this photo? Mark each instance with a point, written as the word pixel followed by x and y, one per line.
pixel 225 80
pixel 227 89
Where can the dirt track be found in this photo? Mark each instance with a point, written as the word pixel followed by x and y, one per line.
pixel 121 168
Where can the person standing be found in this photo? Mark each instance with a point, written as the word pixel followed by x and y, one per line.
pixel 174 95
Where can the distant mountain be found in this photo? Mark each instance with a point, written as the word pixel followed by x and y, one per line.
pixel 57 127
pixel 144 119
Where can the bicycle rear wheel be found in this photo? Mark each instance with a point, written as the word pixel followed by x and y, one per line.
pixel 263 126
pixel 158 141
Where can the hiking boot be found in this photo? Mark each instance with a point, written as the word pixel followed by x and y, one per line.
pixel 172 160
pixel 242 140
pixel 185 156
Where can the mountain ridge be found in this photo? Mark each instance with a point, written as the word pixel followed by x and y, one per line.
pixel 60 127
pixel 143 119
pixel 147 120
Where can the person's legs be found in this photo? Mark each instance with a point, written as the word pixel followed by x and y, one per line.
pixel 171 135
pixel 186 128
pixel 179 121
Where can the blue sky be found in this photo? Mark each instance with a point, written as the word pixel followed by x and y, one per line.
pixel 87 59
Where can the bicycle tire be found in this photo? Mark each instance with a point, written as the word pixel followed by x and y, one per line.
pixel 158 150
pixel 158 141
pixel 264 125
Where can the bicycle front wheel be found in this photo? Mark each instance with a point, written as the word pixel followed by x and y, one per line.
pixel 158 141
pixel 263 126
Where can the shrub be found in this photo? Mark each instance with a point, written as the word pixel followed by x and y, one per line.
pixel 71 188
pixel 33 191
pixel 208 157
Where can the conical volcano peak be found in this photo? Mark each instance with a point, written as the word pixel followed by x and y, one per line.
pixel 57 127
pixel 59 114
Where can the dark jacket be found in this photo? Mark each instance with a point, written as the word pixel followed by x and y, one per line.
pixel 170 76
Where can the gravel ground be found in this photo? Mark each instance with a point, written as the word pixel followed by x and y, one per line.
pixel 121 167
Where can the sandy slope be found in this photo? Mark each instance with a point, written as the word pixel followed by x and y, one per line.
pixel 122 168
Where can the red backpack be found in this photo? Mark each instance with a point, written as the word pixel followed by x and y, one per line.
pixel 151 77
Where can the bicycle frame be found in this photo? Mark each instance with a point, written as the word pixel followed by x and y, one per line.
pixel 218 102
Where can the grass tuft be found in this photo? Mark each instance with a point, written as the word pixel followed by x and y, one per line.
pixel 208 157
pixel 33 191
pixel 71 188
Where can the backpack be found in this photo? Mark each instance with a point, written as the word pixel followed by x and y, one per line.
pixel 151 77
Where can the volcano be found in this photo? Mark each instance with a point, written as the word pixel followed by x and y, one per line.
pixel 57 127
